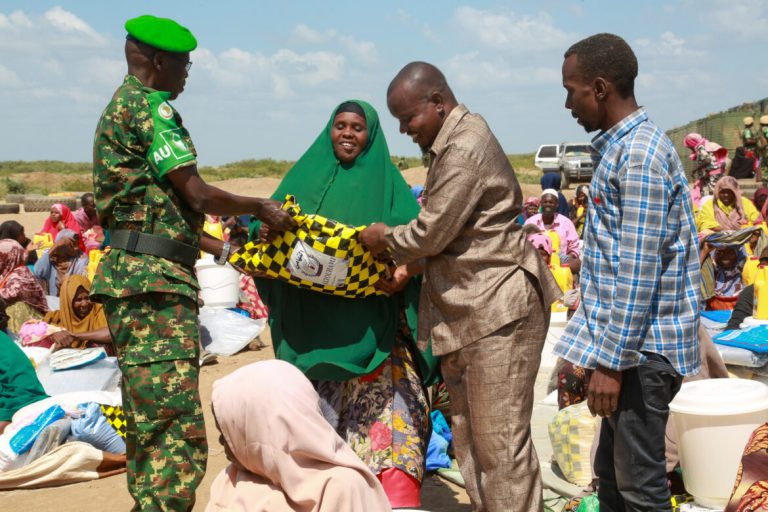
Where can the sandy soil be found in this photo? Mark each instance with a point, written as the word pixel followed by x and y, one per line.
pixel 111 493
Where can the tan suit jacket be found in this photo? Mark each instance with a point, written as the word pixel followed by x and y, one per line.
pixel 467 232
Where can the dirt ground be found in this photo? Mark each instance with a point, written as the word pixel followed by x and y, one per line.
pixel 111 493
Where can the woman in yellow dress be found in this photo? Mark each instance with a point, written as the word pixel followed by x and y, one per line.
pixel 727 210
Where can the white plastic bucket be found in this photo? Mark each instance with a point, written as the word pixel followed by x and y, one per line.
pixel 714 419
pixel 219 284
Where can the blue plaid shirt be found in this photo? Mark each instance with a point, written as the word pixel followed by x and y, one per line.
pixel 640 273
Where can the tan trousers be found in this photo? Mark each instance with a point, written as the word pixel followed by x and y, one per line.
pixel 490 383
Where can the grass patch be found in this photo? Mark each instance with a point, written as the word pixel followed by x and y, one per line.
pixel 522 161
pixel 265 168
pixel 9 167
pixel 50 176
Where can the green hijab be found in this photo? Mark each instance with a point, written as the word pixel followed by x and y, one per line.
pixel 19 385
pixel 335 338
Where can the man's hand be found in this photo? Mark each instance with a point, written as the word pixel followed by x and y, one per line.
pixel 373 237
pixel 62 339
pixel 64 249
pixel 396 283
pixel 530 229
pixel 267 234
pixel 271 213
pixel 604 391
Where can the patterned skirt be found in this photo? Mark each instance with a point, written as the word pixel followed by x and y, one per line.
pixel 383 416
pixel 750 492
pixel 572 384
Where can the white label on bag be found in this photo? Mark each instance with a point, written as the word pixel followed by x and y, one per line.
pixel 312 265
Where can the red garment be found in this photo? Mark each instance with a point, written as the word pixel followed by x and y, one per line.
pixel 402 489
pixel 69 221
pixel 250 300
pixel 721 303
pixel 84 220
pixel 16 281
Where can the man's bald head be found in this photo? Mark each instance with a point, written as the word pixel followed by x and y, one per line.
pixel 419 97
pixel 422 77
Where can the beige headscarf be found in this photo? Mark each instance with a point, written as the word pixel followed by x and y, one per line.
pixel 734 219
pixel 288 457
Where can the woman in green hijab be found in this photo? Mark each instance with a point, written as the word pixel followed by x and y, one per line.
pixel 19 385
pixel 359 353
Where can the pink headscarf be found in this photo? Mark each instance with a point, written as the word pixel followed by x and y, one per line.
pixel 531 200
pixel 288 456
pixel 16 281
pixel 694 141
pixel 735 219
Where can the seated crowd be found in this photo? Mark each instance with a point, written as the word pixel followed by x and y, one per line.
pixel 45 285
pixel 728 249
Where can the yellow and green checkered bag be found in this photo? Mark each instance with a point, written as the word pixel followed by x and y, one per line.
pixel 320 255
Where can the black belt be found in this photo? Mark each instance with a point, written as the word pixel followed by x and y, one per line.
pixel 143 243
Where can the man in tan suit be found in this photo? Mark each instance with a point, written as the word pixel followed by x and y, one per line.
pixel 486 292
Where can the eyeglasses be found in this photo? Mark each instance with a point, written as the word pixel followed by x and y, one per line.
pixel 187 64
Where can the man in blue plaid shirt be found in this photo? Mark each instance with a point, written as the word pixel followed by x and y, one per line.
pixel 636 325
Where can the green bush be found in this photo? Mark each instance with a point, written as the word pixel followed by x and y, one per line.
pixel 22 166
pixel 14 186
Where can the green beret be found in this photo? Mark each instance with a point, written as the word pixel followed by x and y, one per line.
pixel 161 33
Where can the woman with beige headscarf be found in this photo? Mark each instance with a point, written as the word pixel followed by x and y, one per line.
pixel 727 210
pixel 284 455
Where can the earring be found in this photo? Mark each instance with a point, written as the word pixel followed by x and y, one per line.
pixel 440 112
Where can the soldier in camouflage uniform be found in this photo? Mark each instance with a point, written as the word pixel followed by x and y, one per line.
pixel 146 181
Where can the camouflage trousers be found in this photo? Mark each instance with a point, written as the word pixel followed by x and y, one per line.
pixel 165 436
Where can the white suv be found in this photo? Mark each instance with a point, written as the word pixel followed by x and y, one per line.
pixel 546 158
pixel 575 163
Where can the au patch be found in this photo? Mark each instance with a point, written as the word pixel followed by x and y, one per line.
pixel 174 140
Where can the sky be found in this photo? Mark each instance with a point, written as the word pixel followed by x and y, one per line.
pixel 267 75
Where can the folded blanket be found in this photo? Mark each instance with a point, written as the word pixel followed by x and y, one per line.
pixel 69 463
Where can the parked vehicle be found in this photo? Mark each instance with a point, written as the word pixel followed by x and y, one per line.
pixel 546 158
pixel 574 162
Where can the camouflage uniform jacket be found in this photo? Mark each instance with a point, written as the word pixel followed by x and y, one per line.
pixel 140 139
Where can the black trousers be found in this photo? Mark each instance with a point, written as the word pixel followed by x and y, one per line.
pixel 630 462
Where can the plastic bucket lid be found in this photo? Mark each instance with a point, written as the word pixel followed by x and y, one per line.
pixel 720 397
